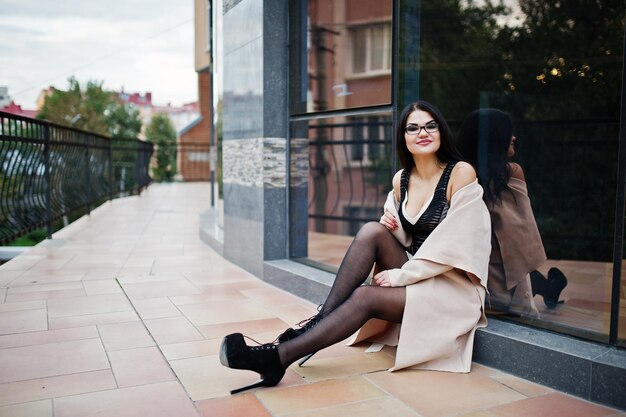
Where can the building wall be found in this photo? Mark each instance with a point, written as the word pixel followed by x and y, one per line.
pixel 202 59
pixel 194 143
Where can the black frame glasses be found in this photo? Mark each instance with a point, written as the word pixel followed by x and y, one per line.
pixel 415 129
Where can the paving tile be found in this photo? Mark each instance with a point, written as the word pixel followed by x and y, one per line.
pixel 224 312
pixel 154 308
pixel 150 278
pixel 39 361
pixel 6 276
pixel 48 336
pixel 45 295
pixel 41 408
pixel 18 289
pixel 172 330
pixel 220 330
pixel 205 377
pixel 56 386
pixel 338 367
pixel 95 304
pixel 481 413
pixel 139 262
pixel 235 406
pixel 206 297
pixel 309 397
pixel 160 289
pixel 165 399
pixel 92 319
pixel 23 321
pixel 520 385
pixel 377 407
pixel 191 349
pixel 552 405
pixel 99 274
pixel 429 392
pixel 102 286
pixel 24 305
pixel 125 336
pixel 140 367
pixel 3 293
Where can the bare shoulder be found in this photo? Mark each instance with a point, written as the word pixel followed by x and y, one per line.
pixel 396 184
pixel 517 171
pixel 462 174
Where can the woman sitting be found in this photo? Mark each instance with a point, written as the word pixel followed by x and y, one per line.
pixel 432 247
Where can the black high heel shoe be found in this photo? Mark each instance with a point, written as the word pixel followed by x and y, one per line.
pixel 263 359
pixel 557 281
pixel 304 326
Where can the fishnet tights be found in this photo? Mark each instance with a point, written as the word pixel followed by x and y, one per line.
pixel 349 305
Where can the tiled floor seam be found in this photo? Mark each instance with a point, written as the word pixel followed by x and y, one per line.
pixel 106 352
pixel 169 365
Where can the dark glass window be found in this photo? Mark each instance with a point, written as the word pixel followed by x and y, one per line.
pixel 342 167
pixel 341 54
pixel 556 67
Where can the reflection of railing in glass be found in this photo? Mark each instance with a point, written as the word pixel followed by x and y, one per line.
pixel 350 173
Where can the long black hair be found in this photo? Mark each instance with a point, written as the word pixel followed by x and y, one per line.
pixel 447 151
pixel 484 140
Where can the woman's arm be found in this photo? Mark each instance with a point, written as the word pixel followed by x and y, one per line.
pixel 388 220
pixel 517 171
pixel 421 269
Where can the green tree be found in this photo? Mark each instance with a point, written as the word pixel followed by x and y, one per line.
pixel 123 120
pixel 92 109
pixel 162 134
pixel 83 109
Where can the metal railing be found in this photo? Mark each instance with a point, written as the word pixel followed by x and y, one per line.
pixel 350 168
pixel 48 171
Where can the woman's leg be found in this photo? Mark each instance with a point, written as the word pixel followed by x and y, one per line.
pixel 364 303
pixel 373 244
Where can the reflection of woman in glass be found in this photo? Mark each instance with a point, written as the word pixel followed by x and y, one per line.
pixel 486 141
pixel 432 248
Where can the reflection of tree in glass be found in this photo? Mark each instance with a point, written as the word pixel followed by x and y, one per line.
pixel 556 67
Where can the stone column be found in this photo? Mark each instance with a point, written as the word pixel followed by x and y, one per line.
pixel 255 123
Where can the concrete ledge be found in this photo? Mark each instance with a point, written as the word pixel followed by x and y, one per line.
pixel 302 280
pixel 585 369
pixel 210 232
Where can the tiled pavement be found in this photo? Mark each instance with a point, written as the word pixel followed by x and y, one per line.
pixel 122 313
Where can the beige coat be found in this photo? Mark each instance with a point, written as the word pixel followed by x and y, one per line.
pixel 516 251
pixel 445 281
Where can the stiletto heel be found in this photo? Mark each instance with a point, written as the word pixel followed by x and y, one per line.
pixel 263 359
pixel 306 358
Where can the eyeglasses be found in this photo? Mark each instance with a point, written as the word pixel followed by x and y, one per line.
pixel 429 127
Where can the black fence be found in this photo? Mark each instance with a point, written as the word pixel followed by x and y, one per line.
pixel 48 171
pixel 570 168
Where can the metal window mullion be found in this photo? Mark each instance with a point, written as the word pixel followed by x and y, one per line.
pixel 619 213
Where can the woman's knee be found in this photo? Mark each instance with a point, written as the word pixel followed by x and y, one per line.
pixel 371 230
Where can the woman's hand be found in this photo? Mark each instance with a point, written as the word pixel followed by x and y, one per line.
pixel 389 221
pixel 382 279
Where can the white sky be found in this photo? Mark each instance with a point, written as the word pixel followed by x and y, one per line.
pixel 140 45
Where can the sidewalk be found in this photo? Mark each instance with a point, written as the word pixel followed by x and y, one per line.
pixel 122 314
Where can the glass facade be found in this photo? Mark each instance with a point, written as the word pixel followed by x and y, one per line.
pixel 555 67
pixel 341 54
